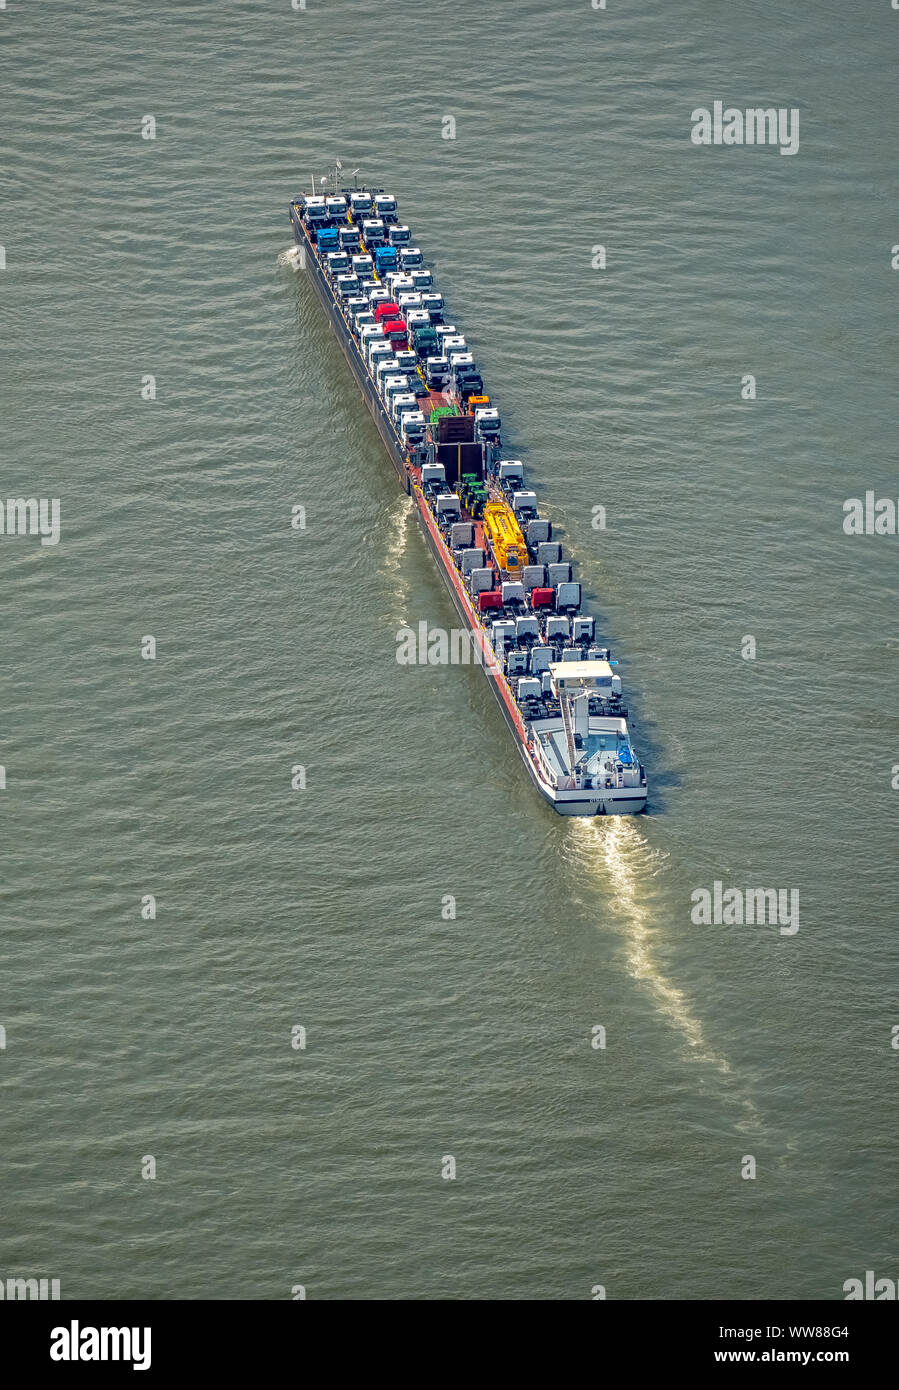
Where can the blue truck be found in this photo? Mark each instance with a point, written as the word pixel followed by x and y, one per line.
pixel 385 259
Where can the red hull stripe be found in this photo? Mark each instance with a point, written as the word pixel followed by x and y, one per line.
pixel 486 649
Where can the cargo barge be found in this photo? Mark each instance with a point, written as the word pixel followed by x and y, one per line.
pixel 558 690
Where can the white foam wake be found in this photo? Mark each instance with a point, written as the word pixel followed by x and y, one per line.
pixel 616 853
pixel 291 257
pixel 391 565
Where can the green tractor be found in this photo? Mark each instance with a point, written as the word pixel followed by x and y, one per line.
pixel 473 493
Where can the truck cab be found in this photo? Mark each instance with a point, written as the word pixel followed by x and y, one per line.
pixel 373 233
pixel 444 330
pixel 403 404
pixel 349 239
pixel 369 347
pixel 379 352
pixel 436 371
pixel 394 386
pixel 452 343
pixel 360 206
pixel 347 286
pixel 385 259
pixel 371 333
pixel 433 477
pixel 407 362
pixel 337 263
pixel 399 282
pixel 466 386
pixel 487 423
pixel 336 208
pixel 396 332
pixel 422 278
pixel 463 379
pixel 399 235
pixel 363 266
pixel 424 341
pixel 385 207
pixel 510 473
pixel 413 426
pixel 410 257
pixel 385 370
pixel 524 505
pixel 326 239
pixel 315 212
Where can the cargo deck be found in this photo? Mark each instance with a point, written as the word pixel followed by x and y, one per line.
pixel 557 688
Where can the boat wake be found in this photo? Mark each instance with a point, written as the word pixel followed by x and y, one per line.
pixel 617 855
pixel 391 566
pixel 292 257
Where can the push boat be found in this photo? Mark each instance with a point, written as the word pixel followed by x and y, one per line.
pixel 558 690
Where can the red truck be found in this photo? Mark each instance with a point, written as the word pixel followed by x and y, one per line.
pixel 396 332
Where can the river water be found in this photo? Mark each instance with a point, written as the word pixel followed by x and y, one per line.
pixel 431 1030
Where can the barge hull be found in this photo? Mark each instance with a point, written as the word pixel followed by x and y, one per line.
pixel 622 801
